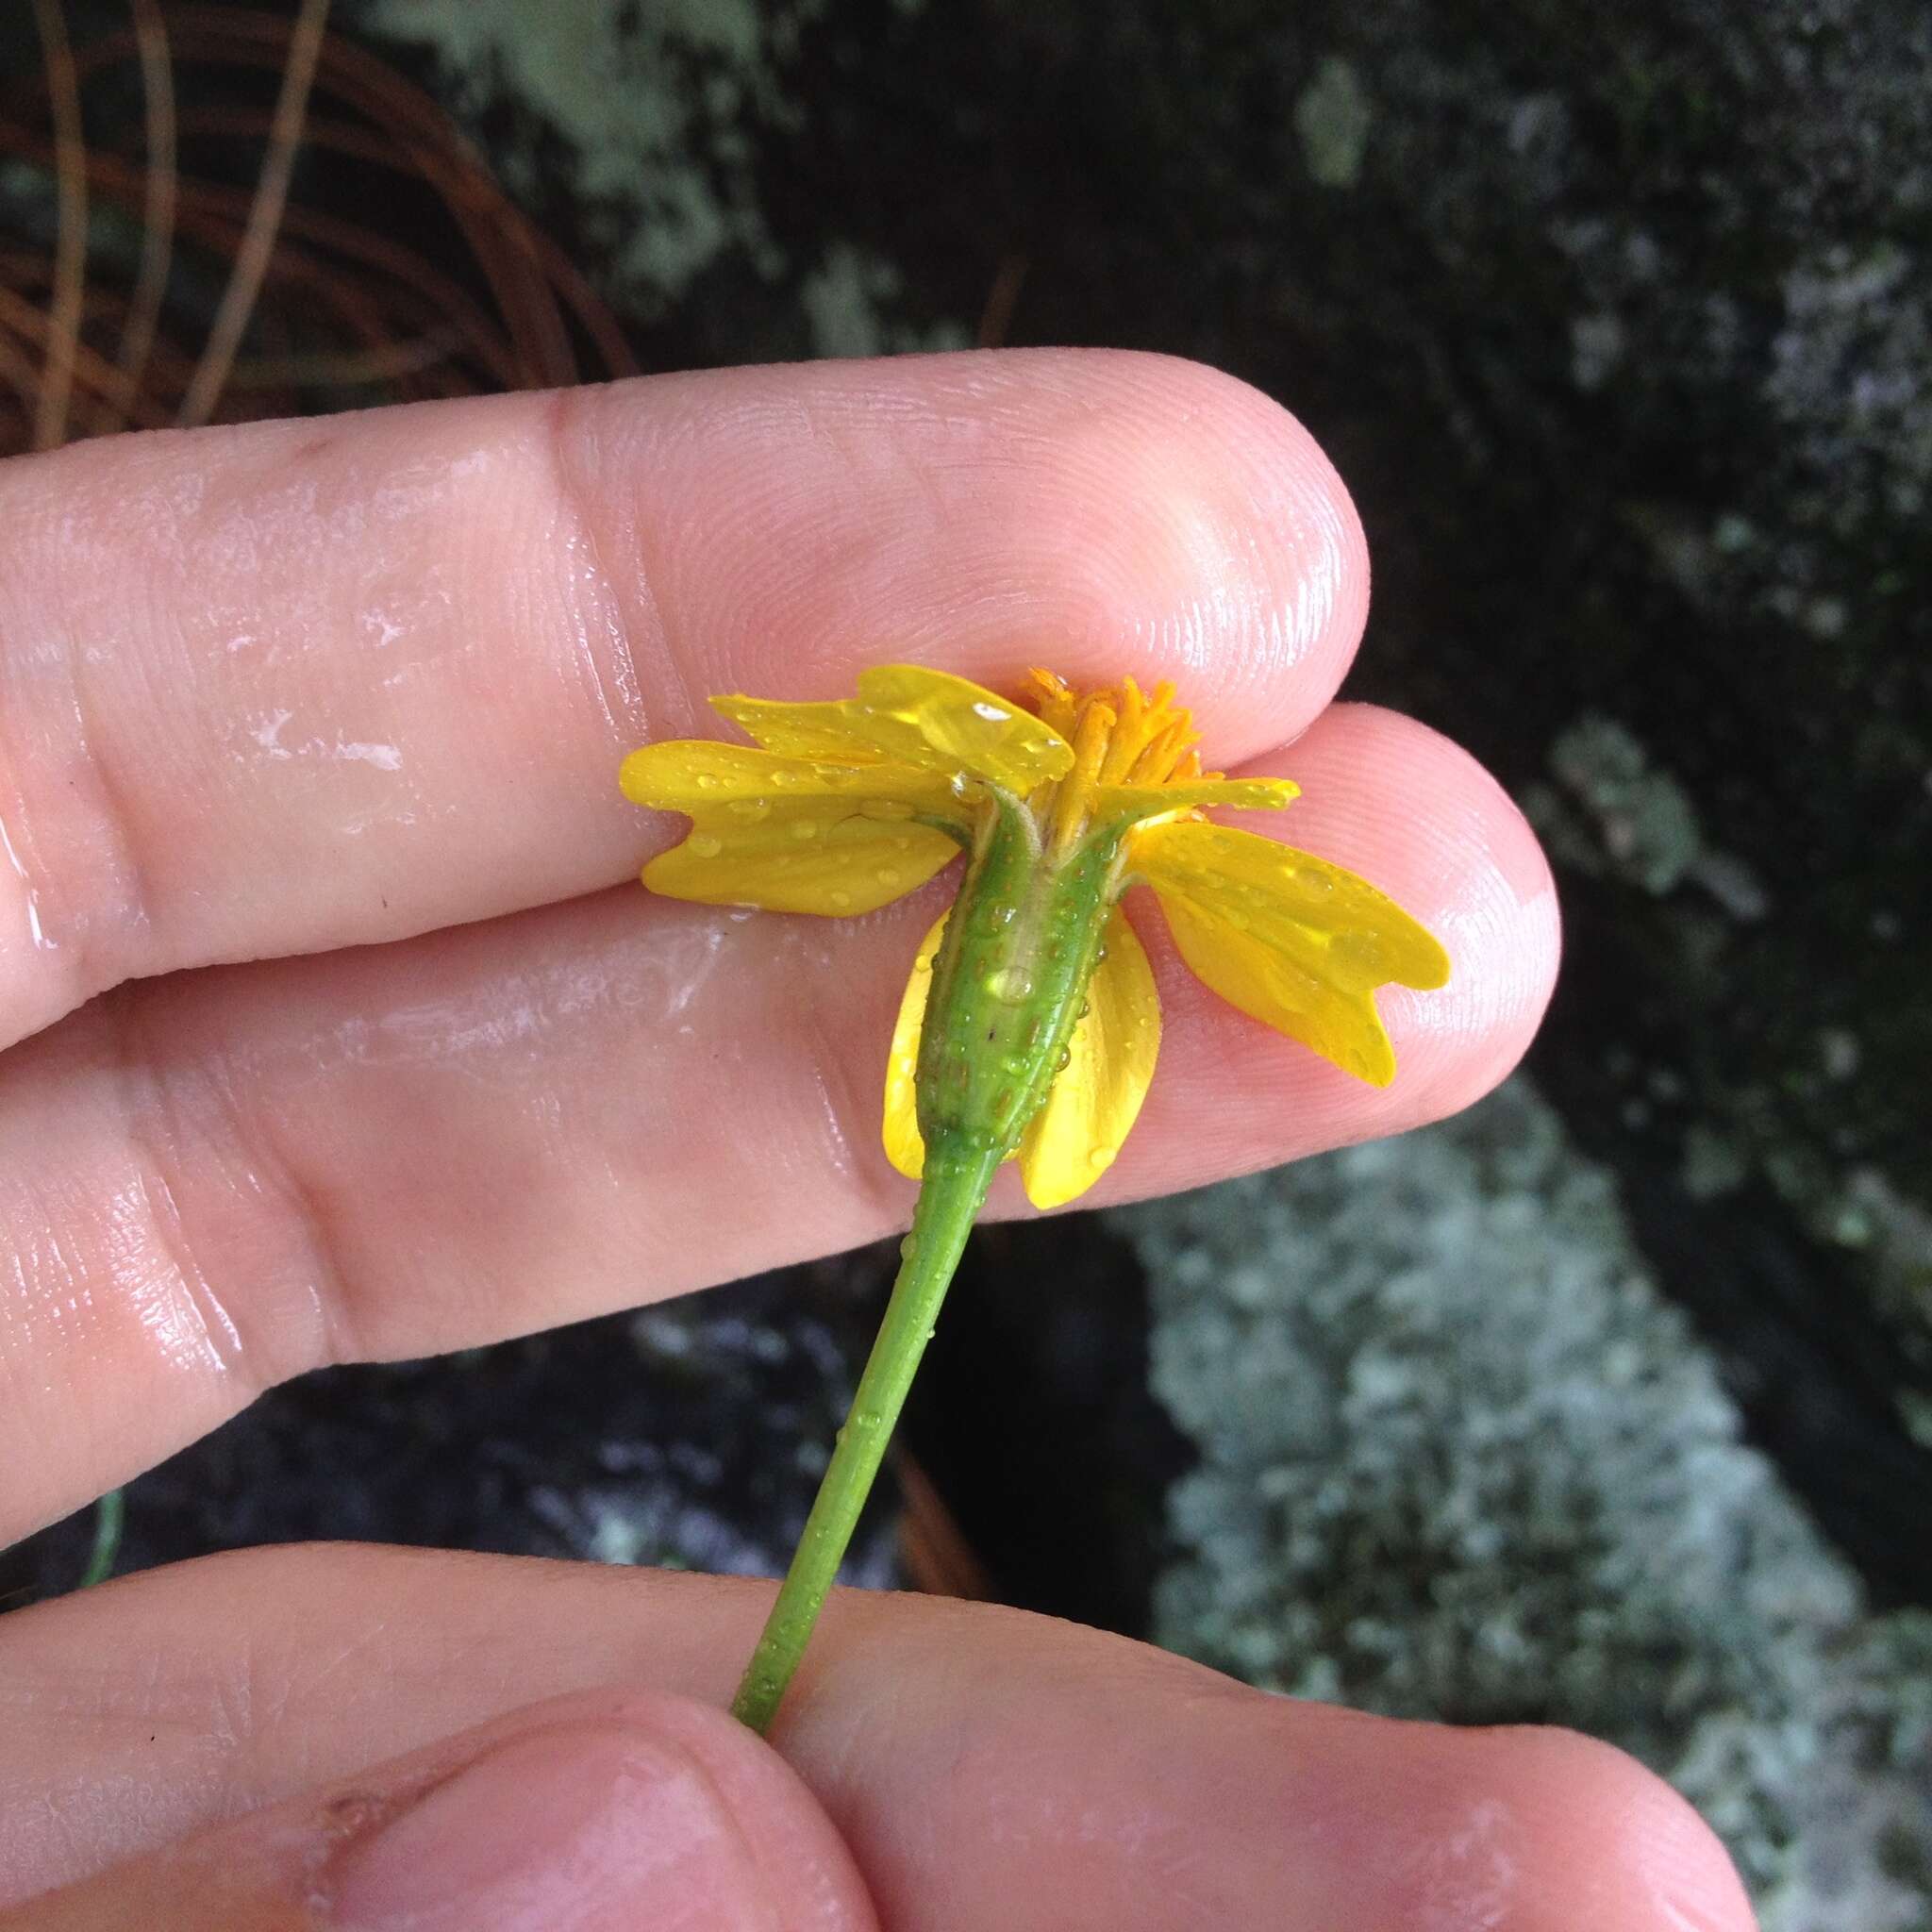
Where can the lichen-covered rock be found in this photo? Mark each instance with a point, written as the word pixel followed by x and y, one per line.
pixel 1458 1458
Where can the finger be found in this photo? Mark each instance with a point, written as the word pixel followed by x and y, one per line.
pixel 397 1151
pixel 600 1812
pixel 298 685
pixel 991 1772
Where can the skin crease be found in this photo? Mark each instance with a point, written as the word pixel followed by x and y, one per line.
pixel 275 693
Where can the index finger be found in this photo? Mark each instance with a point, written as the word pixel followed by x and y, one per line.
pixel 303 685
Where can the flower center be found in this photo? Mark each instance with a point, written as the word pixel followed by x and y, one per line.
pixel 1121 736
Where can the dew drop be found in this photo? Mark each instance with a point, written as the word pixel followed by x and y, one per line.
pixel 805 829
pixel 706 782
pixel 705 846
pixel 909 1247
pixel 841 899
pixel 751 807
pixel 994 714
pixel 886 876
pixel 902 844
pixel 1065 1060
pixel 1011 983
pixel 1098 1157
pixel 782 776
pixel 1086 1007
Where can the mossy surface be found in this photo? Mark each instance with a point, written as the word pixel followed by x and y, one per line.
pixel 1460 1459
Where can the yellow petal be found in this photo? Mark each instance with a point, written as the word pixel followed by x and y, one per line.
pixel 1298 942
pixel 839 729
pixel 928 719
pixel 691 774
pixel 1072 1139
pixel 803 854
pixel 1238 794
pixel 905 1144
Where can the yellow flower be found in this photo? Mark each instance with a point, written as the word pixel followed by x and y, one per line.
pixel 847 805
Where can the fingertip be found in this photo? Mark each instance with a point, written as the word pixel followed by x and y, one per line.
pixel 1602 1844
pixel 587 1812
pixel 1104 512
pixel 1254 593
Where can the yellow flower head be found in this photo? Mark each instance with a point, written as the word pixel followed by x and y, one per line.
pixel 846 805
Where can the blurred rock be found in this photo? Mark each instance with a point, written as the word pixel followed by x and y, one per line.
pixel 690 1435
pixel 1460 1460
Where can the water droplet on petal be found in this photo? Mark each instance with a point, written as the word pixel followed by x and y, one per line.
pixel 751 807
pixel 805 829
pixel 886 876
pixel 781 777
pixel 840 899
pixel 994 714
pixel 1065 1060
pixel 704 845
pixel 706 782
pixel 1098 1157
pixel 1009 983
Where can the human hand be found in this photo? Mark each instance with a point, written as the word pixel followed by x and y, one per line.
pixel 279 693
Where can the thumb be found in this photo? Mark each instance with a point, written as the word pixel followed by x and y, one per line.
pixel 600 1812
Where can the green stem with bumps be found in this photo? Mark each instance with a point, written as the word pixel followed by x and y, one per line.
pixel 1007 987
pixel 950 1199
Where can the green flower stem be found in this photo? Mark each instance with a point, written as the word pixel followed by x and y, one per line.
pixel 110 1514
pixel 1007 987
pixel 950 1198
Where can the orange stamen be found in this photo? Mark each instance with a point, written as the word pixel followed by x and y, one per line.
pixel 1075 795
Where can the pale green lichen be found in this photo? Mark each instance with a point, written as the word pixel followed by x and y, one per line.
pixel 646 101
pixel 849 300
pixel 1332 116
pixel 1460 1459
pixel 1644 820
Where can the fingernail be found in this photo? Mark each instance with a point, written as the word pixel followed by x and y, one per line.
pixel 583 1827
